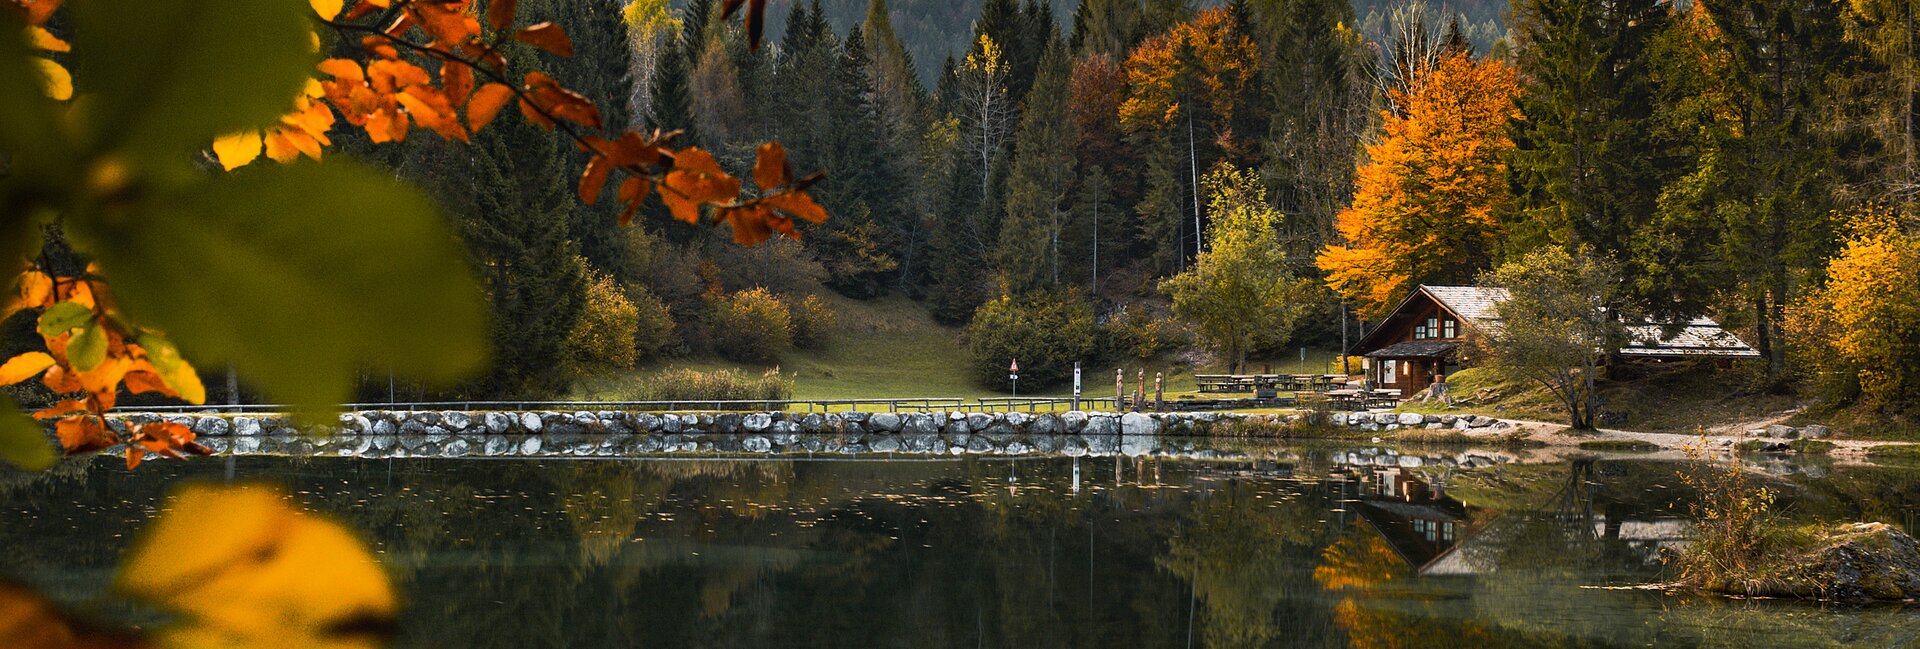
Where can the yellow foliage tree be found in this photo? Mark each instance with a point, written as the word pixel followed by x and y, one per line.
pixel 1429 196
pixel 1860 331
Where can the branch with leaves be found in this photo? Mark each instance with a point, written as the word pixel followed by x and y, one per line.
pixel 296 274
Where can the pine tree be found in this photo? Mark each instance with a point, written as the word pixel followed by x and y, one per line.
pixel 1315 72
pixel 1775 184
pixel 517 235
pixel 1585 155
pixel 1029 252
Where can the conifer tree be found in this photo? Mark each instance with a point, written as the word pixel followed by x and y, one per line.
pixel 1029 251
pixel 1585 155
pixel 517 235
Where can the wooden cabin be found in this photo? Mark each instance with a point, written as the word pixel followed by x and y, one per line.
pixel 1426 336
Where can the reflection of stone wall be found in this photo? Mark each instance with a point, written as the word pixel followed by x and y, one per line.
pixel 548 424
pixel 614 434
pixel 481 444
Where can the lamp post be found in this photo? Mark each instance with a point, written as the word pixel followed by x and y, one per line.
pixel 1013 374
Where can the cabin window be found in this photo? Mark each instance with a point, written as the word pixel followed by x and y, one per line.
pixel 1433 327
pixel 1420 332
pixel 1449 329
pixel 1446 532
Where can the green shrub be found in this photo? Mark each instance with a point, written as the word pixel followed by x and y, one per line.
pixel 751 326
pixel 654 332
pixel 1138 333
pixel 602 338
pixel 813 322
pixel 718 385
pixel 1046 331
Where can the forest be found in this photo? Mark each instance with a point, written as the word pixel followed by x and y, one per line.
pixel 1124 178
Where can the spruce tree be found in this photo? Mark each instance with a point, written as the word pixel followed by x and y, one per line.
pixel 517 235
pixel 1586 155
pixel 1028 255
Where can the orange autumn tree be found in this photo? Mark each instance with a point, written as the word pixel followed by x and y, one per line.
pixel 1429 196
pixel 296 274
pixel 1861 329
pixel 1223 60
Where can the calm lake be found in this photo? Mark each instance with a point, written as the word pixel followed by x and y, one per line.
pixel 1262 546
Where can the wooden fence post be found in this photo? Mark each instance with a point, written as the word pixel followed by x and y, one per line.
pixel 1140 390
pixel 1119 389
pixel 1160 391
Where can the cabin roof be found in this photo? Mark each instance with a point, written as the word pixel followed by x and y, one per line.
pixel 1477 307
pixel 1414 349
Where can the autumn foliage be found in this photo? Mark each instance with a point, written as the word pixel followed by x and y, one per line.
pixel 1861 330
pixel 1222 60
pixel 389 95
pixel 1429 198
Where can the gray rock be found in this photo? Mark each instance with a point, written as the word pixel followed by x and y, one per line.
pixel 1816 431
pixel 757 422
pixel 1411 461
pixel 1780 431
pixel 455 421
pixel 884 444
pixel 1134 423
pixel 496 423
pixel 1017 419
pixel 729 423
pixel 531 422
pixel 1102 424
pixel 756 444
pixel 212 426
pixel 1044 425
pixel 1410 419
pixel 812 422
pixel 1073 422
pixel 919 423
pixel 425 418
pixel 646 422
pixel 979 422
pixel 530 446
pixel 246 445
pixel 250 426
pixel 885 422
pixel 855 417
pixel 784 428
pixel 957 426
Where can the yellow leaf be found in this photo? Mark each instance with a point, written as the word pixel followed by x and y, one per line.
pixel 24 366
pixel 54 79
pixel 247 569
pixel 238 149
pixel 44 40
pixel 327 9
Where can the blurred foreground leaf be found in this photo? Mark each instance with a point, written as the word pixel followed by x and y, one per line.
pixel 22 441
pixel 248 570
pixel 299 275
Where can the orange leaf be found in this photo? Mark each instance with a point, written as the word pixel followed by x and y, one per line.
pixel 559 102
pixel 750 224
pixel 448 23
pixel 327 9
pixel 486 104
pixel 534 115
pixel 500 13
pixel 44 40
pixel 546 36
pixel 61 409
pixel 24 366
pixel 38 11
pixel 457 80
pixel 696 179
pixel 61 381
pixel 797 204
pixel 632 192
pixel 343 69
pixel 82 434
pixel 594 179
pixel 771 170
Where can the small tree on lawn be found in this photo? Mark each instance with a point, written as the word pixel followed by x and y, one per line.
pixel 1554 326
pixel 1240 294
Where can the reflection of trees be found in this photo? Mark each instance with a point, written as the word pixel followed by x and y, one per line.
pixel 1242 558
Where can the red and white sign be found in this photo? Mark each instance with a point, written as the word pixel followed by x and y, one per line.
pixel 1015 367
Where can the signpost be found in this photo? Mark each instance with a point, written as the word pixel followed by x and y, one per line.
pixel 1013 374
pixel 1076 385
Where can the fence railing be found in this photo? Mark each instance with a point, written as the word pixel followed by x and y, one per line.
pixel 984 404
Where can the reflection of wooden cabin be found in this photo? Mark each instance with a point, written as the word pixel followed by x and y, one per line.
pixel 1416 519
pixel 1427 335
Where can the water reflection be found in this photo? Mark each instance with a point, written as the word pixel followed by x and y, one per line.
pixel 1278 547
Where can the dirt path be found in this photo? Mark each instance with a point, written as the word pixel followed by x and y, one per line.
pixel 1716 439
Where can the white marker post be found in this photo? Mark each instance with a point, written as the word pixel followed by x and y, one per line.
pixel 1076 385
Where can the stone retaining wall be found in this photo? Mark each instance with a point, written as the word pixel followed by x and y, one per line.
pixel 384 422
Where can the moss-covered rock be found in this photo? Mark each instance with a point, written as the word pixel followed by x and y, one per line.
pixel 1859 562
